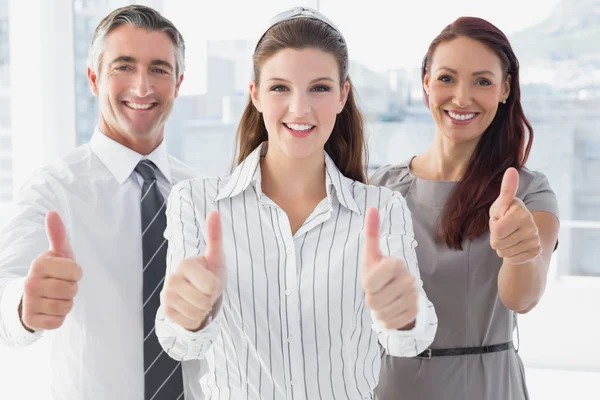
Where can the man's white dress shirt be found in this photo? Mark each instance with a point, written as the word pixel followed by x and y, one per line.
pixel 98 352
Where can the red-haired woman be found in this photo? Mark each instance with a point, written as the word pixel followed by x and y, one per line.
pixel 486 225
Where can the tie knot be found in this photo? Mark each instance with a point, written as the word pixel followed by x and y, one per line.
pixel 146 169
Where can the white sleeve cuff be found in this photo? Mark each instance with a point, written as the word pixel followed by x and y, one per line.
pixel 407 343
pixel 181 344
pixel 16 334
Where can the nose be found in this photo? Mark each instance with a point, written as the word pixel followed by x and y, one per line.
pixel 462 96
pixel 299 104
pixel 141 85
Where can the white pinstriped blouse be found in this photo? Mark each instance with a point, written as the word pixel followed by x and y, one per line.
pixel 293 322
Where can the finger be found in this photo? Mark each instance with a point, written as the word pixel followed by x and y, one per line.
pixel 56 268
pixel 399 306
pixel 398 287
pixel 188 310
pixel 57 236
pixel 531 245
pixel 508 191
pixel 198 274
pixel 191 295
pixel 401 321
pixel 372 252
pixel 41 322
pixel 502 229
pixel 380 275
pixel 214 241
pixel 51 288
pixel 38 305
pixel 182 320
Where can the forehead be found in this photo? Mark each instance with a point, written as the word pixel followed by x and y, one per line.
pixel 301 64
pixel 465 54
pixel 139 43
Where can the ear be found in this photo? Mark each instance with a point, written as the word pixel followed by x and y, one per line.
pixel 506 88
pixel 254 96
pixel 93 79
pixel 177 85
pixel 426 83
pixel 344 96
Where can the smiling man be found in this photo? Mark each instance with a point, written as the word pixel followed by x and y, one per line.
pixel 83 259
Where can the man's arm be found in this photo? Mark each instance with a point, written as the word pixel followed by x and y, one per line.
pixel 22 239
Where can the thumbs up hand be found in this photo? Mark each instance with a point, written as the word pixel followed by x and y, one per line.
pixel 195 286
pixel 513 232
pixel 52 281
pixel 390 290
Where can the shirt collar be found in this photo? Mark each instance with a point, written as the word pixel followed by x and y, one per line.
pixel 249 171
pixel 121 161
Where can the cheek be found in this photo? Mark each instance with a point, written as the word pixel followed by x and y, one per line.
pixel 326 107
pixel 274 108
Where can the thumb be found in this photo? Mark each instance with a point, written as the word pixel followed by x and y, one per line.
pixel 508 191
pixel 371 253
pixel 214 241
pixel 57 236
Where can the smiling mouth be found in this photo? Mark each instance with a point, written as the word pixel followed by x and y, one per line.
pixel 300 128
pixel 461 116
pixel 140 106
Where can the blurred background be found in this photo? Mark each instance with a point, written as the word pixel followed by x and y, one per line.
pixel 46 108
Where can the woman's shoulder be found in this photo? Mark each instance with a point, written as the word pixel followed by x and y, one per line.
pixel 200 185
pixel 393 176
pixel 532 182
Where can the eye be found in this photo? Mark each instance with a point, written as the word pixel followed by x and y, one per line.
pixel 445 79
pixel 279 88
pixel 321 88
pixel 159 71
pixel 484 82
pixel 124 68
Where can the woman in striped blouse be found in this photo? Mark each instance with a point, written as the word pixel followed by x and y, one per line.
pixel 289 275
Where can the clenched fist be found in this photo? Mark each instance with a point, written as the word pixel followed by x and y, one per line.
pixel 513 232
pixel 390 290
pixel 194 287
pixel 52 281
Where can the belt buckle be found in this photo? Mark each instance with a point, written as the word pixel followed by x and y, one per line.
pixel 426 355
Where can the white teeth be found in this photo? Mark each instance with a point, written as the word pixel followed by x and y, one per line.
pixel 461 117
pixel 139 106
pixel 300 127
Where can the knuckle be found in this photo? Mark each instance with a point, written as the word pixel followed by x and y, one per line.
pixel 38 265
pixel 77 272
pixel 171 313
pixel 54 323
pixel 31 286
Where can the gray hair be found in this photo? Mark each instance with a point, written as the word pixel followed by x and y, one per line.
pixel 139 17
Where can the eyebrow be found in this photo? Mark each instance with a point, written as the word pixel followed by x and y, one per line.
pixel 483 72
pixel 325 78
pixel 129 59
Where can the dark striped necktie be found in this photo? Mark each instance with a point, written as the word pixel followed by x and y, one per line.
pixel 162 376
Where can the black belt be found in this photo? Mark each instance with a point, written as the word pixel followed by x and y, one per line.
pixel 461 351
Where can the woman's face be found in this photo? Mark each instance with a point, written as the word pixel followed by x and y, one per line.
pixel 466 85
pixel 299 95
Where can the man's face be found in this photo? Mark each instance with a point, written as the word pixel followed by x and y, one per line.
pixel 136 85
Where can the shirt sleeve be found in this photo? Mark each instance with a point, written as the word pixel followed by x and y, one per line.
pixel 397 240
pixel 22 239
pixel 185 239
pixel 539 195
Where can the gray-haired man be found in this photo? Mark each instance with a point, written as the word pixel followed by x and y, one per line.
pixel 83 259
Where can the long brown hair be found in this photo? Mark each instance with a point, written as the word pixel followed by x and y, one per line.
pixel 505 143
pixel 346 145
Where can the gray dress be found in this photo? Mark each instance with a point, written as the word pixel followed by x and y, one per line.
pixel 462 285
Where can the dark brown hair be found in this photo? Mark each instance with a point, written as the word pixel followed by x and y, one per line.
pixel 346 145
pixel 505 143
